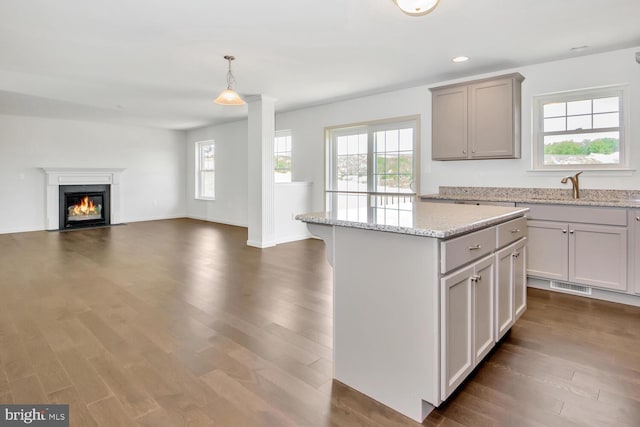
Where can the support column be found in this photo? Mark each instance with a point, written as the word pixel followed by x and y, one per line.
pixel 261 215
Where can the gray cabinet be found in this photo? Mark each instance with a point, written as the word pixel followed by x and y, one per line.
pixel 467 321
pixel 477 120
pixel 510 287
pixel 592 252
pixel 634 260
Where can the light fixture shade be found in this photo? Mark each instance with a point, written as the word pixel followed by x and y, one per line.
pixel 229 97
pixel 416 7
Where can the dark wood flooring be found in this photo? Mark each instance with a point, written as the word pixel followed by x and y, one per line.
pixel 178 322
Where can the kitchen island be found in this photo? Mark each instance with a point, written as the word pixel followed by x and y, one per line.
pixel 421 295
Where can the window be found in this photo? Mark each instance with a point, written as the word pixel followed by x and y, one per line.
pixel 282 156
pixel 371 170
pixel 205 170
pixel 580 130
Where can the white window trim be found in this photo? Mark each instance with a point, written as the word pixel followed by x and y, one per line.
pixel 198 169
pixel 371 126
pixel 537 144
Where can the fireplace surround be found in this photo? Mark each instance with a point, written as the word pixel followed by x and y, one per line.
pixel 57 177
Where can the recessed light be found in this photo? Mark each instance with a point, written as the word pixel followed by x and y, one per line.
pixel 460 59
pixel 579 48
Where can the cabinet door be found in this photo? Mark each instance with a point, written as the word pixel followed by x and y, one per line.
pixel 504 291
pixel 519 259
pixel 491 122
pixel 598 255
pixel 548 250
pixel 634 265
pixel 484 328
pixel 457 329
pixel 449 124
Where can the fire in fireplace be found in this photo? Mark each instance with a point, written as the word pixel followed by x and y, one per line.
pixel 85 210
pixel 84 206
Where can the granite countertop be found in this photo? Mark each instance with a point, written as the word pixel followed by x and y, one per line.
pixel 556 196
pixel 440 220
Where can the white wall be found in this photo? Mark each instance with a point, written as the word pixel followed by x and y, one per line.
pixel 617 67
pixel 230 206
pixel 291 199
pixel 611 68
pixel 307 131
pixel 153 184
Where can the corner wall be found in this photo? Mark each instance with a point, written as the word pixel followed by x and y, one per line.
pixel 152 185
pixel 610 68
pixel 231 203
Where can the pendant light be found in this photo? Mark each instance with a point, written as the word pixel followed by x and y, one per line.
pixel 416 7
pixel 229 96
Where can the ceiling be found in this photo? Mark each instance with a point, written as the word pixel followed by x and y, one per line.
pixel 160 62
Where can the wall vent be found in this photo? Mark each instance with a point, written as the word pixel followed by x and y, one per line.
pixel 571 288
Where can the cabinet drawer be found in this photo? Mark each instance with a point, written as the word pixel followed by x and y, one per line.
pixel 581 214
pixel 464 249
pixel 511 231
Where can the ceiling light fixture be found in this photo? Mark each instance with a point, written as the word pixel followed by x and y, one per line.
pixel 416 7
pixel 229 96
pixel 459 59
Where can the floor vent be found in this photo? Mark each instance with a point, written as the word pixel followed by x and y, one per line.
pixel 568 287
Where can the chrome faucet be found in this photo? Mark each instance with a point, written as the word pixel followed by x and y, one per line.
pixel 574 183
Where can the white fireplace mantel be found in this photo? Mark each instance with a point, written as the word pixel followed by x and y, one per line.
pixel 55 177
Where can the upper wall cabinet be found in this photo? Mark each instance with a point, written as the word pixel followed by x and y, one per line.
pixel 479 119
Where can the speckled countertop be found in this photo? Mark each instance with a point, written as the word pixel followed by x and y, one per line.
pixel 440 220
pixel 556 196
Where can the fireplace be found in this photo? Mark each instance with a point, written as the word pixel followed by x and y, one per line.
pixel 83 206
pixel 83 180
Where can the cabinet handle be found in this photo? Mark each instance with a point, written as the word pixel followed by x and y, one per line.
pixel 474 248
pixel 473 151
pixel 476 278
pixel 516 254
pixel 638 218
pixel 564 231
pixel 464 151
pixel 571 231
pixel 515 230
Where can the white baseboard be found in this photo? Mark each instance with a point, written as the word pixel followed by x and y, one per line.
pixel 293 238
pixel 149 218
pixel 20 230
pixel 260 245
pixel 601 294
pixel 217 220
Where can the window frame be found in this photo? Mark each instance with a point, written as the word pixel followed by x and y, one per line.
pixel 538 134
pixel 199 169
pixel 283 134
pixel 370 127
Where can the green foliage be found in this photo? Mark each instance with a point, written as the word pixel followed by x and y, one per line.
pixel 282 162
pixel 599 146
pixel 604 146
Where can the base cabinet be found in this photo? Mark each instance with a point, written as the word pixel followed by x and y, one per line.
pixel 510 289
pixel 635 254
pixel 467 321
pixel 587 254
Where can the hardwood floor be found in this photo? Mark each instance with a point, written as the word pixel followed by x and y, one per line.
pixel 178 322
